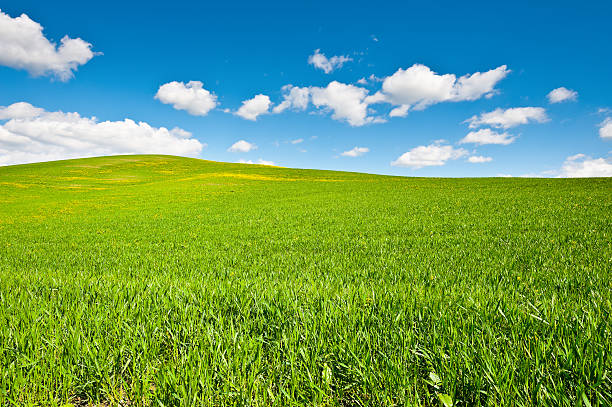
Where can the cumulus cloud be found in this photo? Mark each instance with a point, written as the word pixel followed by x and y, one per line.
pixel 582 166
pixel 487 136
pixel 260 162
pixel 419 87
pixel 561 94
pixel 378 97
pixel 297 141
pixel 605 129
pixel 242 146
pixel 294 97
pixel 434 154
pixel 414 88
pixel 20 110
pixel 320 61
pixel 508 118
pixel 347 102
pixel 355 152
pixel 23 46
pixel 478 84
pixel 477 159
pixel 400 111
pixel 31 134
pixel 190 96
pixel 251 108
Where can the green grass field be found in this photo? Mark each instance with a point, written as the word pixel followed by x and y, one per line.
pixel 158 280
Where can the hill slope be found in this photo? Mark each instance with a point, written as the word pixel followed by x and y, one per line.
pixel 155 278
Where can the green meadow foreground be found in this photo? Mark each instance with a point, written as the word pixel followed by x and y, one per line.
pixel 158 280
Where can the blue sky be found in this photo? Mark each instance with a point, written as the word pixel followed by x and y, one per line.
pixel 245 49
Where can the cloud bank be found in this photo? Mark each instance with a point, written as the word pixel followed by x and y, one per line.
pixel 31 134
pixel 414 88
pixel 583 166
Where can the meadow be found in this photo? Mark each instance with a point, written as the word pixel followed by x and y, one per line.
pixel 167 281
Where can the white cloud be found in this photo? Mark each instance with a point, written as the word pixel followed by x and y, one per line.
pixel 478 84
pixel 297 141
pixel 414 88
pixel 378 97
pixel 487 136
pixel 260 162
pixel 605 129
pixel 294 97
pixel 508 118
pixel 346 101
pixel 355 152
pixel 45 136
pixel 419 86
pixel 20 110
pixel 477 159
pixel 582 166
pixel 252 108
pixel 561 94
pixel 320 61
pixel 191 97
pixel 431 155
pixel 23 46
pixel 370 79
pixel 400 111
pixel 242 146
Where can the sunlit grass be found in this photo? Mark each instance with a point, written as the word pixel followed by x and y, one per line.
pixel 156 280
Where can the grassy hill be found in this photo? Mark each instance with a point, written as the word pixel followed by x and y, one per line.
pixel 159 280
